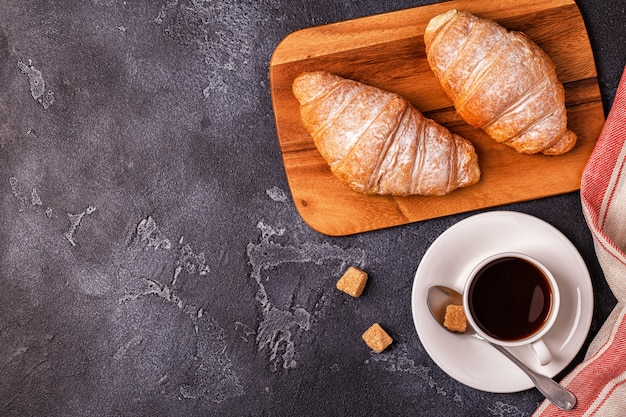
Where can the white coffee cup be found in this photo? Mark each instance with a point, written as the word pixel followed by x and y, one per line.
pixel 512 299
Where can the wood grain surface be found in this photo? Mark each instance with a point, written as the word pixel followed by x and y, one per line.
pixel 387 51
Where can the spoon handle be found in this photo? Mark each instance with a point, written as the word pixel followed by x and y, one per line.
pixel 553 391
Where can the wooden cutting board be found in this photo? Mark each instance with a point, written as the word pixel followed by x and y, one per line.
pixel 387 51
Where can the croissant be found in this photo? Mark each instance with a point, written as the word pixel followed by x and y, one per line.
pixel 377 143
pixel 500 81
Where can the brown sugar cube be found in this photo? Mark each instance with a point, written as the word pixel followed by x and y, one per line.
pixel 353 281
pixel 377 338
pixel 455 319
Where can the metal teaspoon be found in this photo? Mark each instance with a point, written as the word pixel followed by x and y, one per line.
pixel 439 297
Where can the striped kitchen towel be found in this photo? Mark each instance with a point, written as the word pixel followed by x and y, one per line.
pixel 599 382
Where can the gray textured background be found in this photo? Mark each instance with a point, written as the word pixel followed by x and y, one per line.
pixel 152 262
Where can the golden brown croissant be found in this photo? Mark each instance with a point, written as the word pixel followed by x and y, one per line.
pixel 500 81
pixel 377 143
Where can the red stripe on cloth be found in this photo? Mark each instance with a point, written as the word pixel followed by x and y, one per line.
pixel 607 395
pixel 597 174
pixel 605 168
pixel 593 375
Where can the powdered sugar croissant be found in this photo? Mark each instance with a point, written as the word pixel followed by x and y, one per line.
pixel 377 143
pixel 500 81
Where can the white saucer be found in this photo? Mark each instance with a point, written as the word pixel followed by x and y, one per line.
pixel 448 262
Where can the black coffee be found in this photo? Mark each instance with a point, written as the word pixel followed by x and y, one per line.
pixel 510 299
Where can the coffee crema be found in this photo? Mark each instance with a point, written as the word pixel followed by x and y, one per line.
pixel 510 299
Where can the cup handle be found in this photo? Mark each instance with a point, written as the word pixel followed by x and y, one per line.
pixel 541 352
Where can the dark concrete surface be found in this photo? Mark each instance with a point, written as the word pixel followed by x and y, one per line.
pixel 152 262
